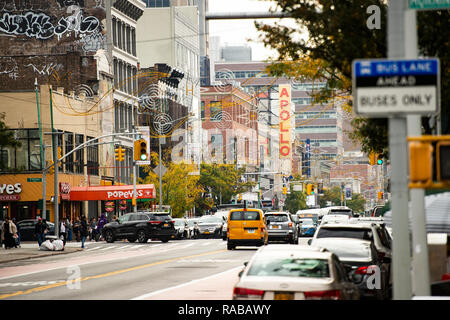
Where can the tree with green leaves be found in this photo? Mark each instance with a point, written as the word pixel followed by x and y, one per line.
pixel 180 189
pixel 295 201
pixel 330 34
pixel 333 195
pixel 223 181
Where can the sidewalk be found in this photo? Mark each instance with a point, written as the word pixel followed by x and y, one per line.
pixel 31 250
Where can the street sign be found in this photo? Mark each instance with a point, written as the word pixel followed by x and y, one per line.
pixel 403 86
pixel 429 4
pixel 163 169
pixel 34 179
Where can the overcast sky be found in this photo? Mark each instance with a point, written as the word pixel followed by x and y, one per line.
pixel 235 32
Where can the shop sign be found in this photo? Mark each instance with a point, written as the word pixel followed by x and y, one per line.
pixel 9 192
pixel 64 190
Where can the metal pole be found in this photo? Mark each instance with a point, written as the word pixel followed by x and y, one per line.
pixel 420 262
pixel 401 259
pixel 55 183
pixel 44 187
pixel 134 165
pixel 39 121
pixel 160 176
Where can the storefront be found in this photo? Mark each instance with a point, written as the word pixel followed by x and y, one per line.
pixel 21 196
pixel 115 200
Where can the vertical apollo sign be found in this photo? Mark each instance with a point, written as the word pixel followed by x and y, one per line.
pixel 284 98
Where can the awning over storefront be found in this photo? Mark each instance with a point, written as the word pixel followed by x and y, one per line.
pixel 144 191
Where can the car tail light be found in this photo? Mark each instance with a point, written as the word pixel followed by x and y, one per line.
pixel 330 294
pixel 363 270
pixel 247 293
pixel 154 222
pixel 290 224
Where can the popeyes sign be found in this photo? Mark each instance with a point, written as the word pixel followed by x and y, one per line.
pixel 285 120
pixel 10 192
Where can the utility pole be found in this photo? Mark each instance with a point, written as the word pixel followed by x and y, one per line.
pixel 420 262
pixel 401 259
pixel 44 187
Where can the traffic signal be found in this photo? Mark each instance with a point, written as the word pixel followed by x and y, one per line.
pixel 140 150
pixel 380 195
pixel 51 170
pixel 372 157
pixel 420 161
pixel 379 159
pixel 284 190
pixel 119 154
pixel 309 189
pixel 442 160
pixel 59 153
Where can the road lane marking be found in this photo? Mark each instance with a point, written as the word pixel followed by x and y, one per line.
pixel 92 249
pixel 147 295
pixel 108 274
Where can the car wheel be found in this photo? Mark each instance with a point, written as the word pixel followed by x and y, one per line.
pixel 141 236
pixel 109 236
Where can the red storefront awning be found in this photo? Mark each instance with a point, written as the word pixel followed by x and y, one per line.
pixel 144 191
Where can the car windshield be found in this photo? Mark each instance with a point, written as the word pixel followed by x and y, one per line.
pixel 353 233
pixel 289 267
pixel 160 217
pixel 210 219
pixel 341 212
pixel 244 215
pixel 307 222
pixel 313 217
pixel 276 217
pixel 348 251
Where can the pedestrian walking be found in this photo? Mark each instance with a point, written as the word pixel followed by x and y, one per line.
pixel 83 230
pixel 18 238
pixel 39 231
pixel 92 229
pixel 69 229
pixel 76 229
pixel 9 232
pixel 101 223
pixel 63 232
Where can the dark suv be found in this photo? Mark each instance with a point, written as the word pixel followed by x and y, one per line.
pixel 140 226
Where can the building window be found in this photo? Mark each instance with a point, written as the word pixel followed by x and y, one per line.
pixel 202 111
pixel 92 158
pixel 215 111
pixel 133 41
pixel 157 3
pixel 27 157
pixel 68 146
pixel 114 28
pixel 79 164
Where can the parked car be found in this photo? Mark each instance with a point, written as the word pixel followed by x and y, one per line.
pixel 281 227
pixel 27 229
pixel 246 227
pixel 308 227
pixel 180 227
pixel 210 226
pixel 141 226
pixel 363 264
pixel 285 272
pixel 192 228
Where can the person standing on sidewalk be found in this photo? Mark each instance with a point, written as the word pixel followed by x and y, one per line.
pixel 83 230
pixel 39 231
pixel 76 229
pixel 63 232
pixel 9 230
pixel 17 239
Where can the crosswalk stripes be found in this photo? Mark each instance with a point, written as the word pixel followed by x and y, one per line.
pixel 103 247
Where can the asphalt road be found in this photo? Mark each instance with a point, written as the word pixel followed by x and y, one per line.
pixel 178 270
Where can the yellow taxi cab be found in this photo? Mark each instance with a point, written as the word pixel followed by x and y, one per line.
pixel 246 227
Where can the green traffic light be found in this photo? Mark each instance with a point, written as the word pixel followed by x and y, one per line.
pixel 380 161
pixel 143 157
